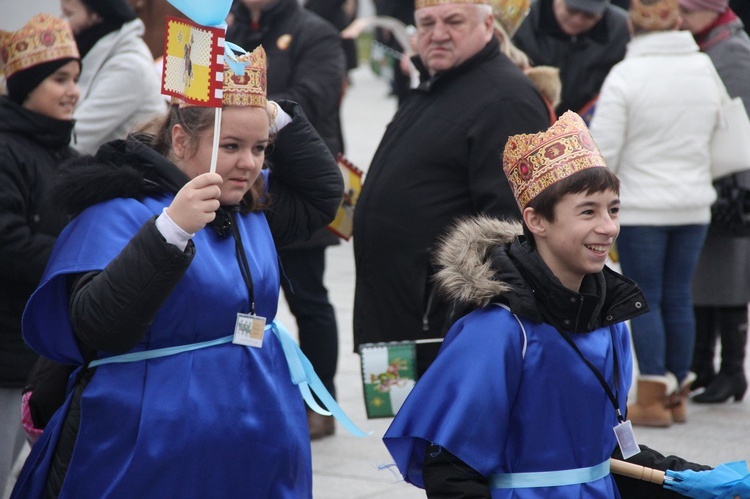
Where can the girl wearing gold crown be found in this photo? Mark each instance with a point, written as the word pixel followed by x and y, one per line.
pixel 42 65
pixel 164 279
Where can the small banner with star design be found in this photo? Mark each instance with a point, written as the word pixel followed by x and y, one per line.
pixel 193 62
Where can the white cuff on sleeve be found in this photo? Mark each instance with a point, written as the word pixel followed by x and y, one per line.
pixel 282 118
pixel 172 232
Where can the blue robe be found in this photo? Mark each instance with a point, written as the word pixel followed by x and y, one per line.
pixel 501 410
pixel 223 421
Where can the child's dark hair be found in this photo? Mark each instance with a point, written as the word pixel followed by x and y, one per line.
pixel 590 180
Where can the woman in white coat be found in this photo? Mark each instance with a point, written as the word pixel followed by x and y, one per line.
pixel 119 87
pixel 653 124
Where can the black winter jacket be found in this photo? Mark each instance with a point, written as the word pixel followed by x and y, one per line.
pixel 305 61
pixel 440 159
pixel 31 148
pixel 584 60
pixel 305 64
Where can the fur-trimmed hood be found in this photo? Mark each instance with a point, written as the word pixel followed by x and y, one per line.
pixel 122 168
pixel 483 260
pixel 466 273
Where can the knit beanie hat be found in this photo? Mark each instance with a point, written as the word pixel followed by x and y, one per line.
pixel 22 83
pixel 716 5
pixel 117 11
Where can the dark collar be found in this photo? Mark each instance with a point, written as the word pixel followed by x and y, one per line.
pixel 40 128
pixel 605 298
pixel 88 37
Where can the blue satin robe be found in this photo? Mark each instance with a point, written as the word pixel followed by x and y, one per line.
pixel 502 412
pixel 224 421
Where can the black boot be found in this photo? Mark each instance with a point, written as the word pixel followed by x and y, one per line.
pixel 731 381
pixel 705 347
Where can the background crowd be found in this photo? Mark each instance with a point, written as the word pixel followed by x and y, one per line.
pixel 99 82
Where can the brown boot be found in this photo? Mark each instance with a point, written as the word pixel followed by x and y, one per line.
pixel 650 408
pixel 677 401
pixel 320 426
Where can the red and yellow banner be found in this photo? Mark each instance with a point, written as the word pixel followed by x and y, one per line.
pixel 343 224
pixel 193 62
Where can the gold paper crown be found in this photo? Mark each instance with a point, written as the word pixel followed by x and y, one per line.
pixel 654 15
pixel 44 38
pixel 418 4
pixel 534 162
pixel 249 88
pixel 510 13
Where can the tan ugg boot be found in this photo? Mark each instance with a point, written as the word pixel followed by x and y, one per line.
pixel 677 401
pixel 650 408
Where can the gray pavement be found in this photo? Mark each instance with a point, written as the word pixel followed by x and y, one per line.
pixel 347 467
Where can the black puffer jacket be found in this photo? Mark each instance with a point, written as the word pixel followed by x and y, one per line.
pixel 31 148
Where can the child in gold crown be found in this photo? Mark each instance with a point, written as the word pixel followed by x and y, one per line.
pixel 159 289
pixel 41 63
pixel 524 395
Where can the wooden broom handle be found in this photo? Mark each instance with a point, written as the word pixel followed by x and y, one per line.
pixel 635 471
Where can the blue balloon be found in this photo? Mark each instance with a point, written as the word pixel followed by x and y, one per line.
pixel 204 12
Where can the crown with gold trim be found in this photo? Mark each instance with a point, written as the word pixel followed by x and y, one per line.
pixel 249 88
pixel 654 15
pixel 418 4
pixel 534 162
pixel 510 13
pixel 44 38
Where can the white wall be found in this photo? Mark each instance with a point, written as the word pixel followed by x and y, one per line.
pixel 15 13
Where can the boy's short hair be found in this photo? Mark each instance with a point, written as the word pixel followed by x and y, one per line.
pixel 591 180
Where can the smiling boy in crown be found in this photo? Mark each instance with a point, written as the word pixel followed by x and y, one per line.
pixel 527 389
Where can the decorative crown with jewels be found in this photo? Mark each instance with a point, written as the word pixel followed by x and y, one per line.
pixel 534 162
pixel 44 38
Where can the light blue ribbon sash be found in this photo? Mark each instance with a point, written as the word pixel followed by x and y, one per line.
pixel 549 478
pixel 301 370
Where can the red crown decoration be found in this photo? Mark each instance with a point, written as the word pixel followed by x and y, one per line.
pixel 249 88
pixel 534 162
pixel 44 38
pixel 654 15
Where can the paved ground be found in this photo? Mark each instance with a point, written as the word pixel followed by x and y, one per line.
pixel 346 467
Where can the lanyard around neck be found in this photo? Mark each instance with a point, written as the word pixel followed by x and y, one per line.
pixel 242 261
pixel 612 396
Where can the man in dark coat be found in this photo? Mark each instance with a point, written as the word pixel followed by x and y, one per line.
pixel 439 160
pixel 583 38
pixel 306 64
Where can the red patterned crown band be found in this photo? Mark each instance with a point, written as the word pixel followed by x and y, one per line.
pixel 534 162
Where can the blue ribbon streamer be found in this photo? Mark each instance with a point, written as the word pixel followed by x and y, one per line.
pixel 292 350
pixel 301 370
pixel 230 57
